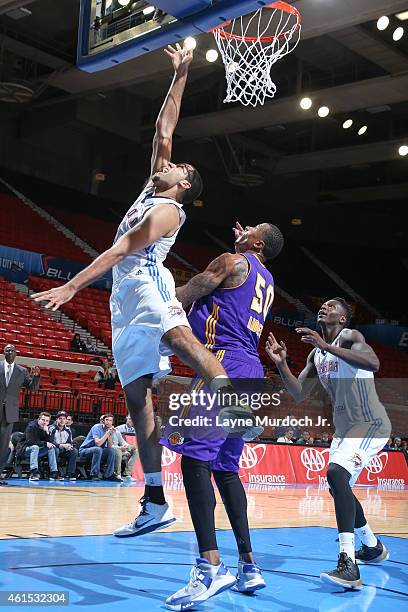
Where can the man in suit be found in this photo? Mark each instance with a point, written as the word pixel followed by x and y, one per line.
pixel 12 378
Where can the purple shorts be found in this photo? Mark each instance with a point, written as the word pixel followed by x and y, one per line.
pixel 222 449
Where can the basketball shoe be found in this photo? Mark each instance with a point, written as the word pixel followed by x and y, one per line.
pixel 249 578
pixel 206 580
pixel 151 518
pixel 346 574
pixel 372 554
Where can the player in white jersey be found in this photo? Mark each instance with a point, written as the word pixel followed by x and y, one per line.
pixel 344 364
pixel 148 322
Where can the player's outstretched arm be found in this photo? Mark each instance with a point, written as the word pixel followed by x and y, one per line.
pixel 358 354
pixel 206 282
pixel 162 220
pixel 169 113
pixel 301 387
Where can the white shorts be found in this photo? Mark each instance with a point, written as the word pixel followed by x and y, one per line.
pixel 143 309
pixel 355 453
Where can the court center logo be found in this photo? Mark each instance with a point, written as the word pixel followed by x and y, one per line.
pixel 168 457
pixel 314 460
pixel 376 465
pixel 252 455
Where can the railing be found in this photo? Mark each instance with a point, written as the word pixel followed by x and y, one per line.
pixel 84 404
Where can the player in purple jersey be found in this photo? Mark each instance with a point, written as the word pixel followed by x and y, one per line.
pixel 231 300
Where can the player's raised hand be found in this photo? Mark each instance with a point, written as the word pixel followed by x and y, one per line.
pixel 238 230
pixel 277 351
pixel 308 336
pixel 181 57
pixel 55 296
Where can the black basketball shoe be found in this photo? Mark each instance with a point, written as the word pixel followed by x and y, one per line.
pixel 346 574
pixel 372 554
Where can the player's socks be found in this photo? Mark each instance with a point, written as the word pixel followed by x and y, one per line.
pixel 366 535
pixel 346 541
pixel 372 554
pixel 206 580
pixel 151 518
pixel 154 487
pixel 249 578
pixel 346 573
pixel 155 494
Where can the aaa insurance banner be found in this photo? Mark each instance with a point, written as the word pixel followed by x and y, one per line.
pixel 271 464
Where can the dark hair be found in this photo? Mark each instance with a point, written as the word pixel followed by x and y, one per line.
pixel 274 241
pixel 346 307
pixel 107 415
pixel 196 182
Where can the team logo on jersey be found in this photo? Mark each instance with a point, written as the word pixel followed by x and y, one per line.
pixel 175 311
pixel 357 460
pixel 175 438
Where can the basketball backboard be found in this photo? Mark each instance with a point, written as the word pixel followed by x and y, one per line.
pixel 114 31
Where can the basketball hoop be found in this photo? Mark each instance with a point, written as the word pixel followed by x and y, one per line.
pixel 251 44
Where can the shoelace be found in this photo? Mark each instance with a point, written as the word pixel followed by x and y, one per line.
pixel 143 502
pixel 194 579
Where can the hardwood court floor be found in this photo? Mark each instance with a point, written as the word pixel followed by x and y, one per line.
pixel 56 537
pixel 41 509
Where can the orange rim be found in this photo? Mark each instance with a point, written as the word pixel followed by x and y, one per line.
pixel 283 6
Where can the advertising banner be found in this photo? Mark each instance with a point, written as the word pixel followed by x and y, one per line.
pixel 16 265
pixel 282 464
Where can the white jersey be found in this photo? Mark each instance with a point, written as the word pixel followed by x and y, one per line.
pixel 351 390
pixel 143 303
pixel 151 257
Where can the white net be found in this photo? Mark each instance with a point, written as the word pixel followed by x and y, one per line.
pixel 250 45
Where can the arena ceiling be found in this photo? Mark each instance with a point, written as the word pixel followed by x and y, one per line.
pixel 343 62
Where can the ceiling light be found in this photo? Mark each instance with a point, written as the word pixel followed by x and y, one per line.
pixel 211 55
pixel 306 103
pixel 383 23
pixel 403 150
pixel 123 2
pixel 323 111
pixel 398 34
pixel 296 221
pixel 190 43
pixel 362 130
pixel 402 16
pixel 148 10
pixel 347 124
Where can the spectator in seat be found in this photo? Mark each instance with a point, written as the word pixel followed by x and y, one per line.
pixel 92 349
pixel 287 438
pixel 69 424
pixel 126 428
pixel 77 345
pixel 106 376
pixel 37 443
pixel 12 378
pixel 397 443
pixel 324 440
pixel 388 446
pixel 306 439
pixel 61 437
pixel 123 452
pixel 98 447
pixel 404 445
